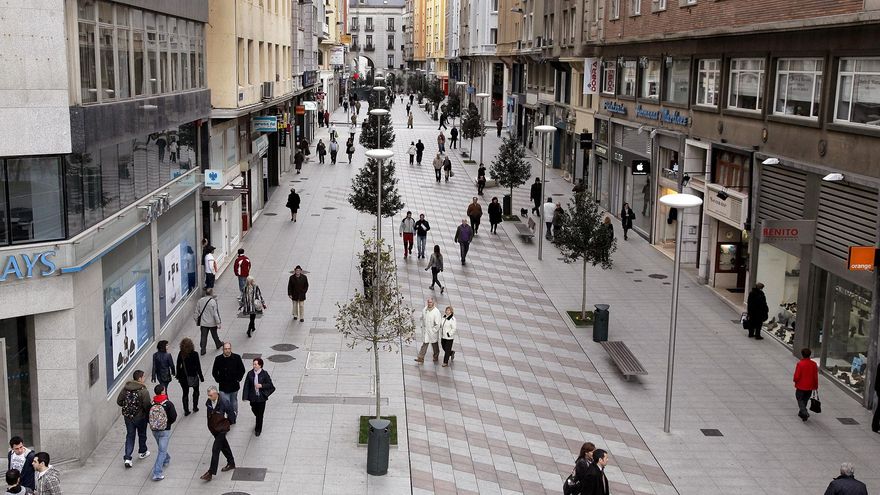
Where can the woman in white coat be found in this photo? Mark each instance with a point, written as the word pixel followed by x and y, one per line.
pixel 431 319
pixel 447 334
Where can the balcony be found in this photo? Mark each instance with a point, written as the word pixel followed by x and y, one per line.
pixel 355 28
pixel 355 47
pixel 369 28
pixel 370 48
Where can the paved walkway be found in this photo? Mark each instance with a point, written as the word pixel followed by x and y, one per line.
pixel 525 389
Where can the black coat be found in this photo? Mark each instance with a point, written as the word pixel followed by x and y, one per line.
pixel 494 212
pixel 846 485
pixel 756 306
pixel 189 366
pixel 535 192
pixel 293 201
pixel 228 372
pixel 581 468
pixel 595 483
pixel 626 218
pixel 250 393
pixel 27 471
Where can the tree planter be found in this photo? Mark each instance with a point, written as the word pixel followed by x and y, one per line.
pixel 578 322
pixel 364 429
pixel 511 218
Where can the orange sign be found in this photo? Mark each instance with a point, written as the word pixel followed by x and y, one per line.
pixel 862 258
pixel 300 110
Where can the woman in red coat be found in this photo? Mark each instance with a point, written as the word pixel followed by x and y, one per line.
pixel 806 380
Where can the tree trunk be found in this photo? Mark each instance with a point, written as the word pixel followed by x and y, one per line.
pixel 378 394
pixel 584 294
pixel 471 153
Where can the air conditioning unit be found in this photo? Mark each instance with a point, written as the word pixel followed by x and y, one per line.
pixel 268 90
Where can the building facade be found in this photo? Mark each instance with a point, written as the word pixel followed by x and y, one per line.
pixel 435 41
pixel 331 58
pixel 99 234
pixel 377 29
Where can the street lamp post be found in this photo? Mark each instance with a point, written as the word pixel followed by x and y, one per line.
pixel 482 97
pixel 544 130
pixel 378 112
pixel 380 156
pixel 460 85
pixel 680 202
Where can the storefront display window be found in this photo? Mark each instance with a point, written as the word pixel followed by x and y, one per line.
pixel 628 78
pixel 128 304
pixel 847 321
pixel 780 274
pixel 641 201
pixel 650 80
pixel 678 75
pixel 177 258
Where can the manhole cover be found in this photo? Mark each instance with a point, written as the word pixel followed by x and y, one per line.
pixel 316 214
pixel 321 361
pixel 250 356
pixel 249 474
pixel 637 269
pixel 328 208
pixel 280 358
pixel 658 276
pixel 236 493
pixel 284 347
pixel 848 421
pixel 270 214
pixel 711 432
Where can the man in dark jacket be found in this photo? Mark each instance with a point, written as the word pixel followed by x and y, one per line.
pixel 596 483
pixel 20 458
pixel 258 387
pixel 228 371
pixel 420 149
pixel 293 203
pixel 757 310
pixel 453 138
pixel 846 483
pixel 464 234
pixel 218 424
pixel 134 399
pixel 162 435
pixel 297 286
pixel 535 195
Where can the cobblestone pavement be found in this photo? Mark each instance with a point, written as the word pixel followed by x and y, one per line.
pixel 525 389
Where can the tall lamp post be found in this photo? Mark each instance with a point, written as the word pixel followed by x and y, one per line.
pixel 680 202
pixel 460 85
pixel 378 112
pixel 482 97
pixel 544 130
pixel 380 156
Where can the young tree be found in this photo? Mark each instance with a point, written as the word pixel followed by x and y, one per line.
pixel 380 320
pixel 583 237
pixel 435 93
pixel 453 105
pixel 510 167
pixel 364 190
pixel 368 131
pixel 472 125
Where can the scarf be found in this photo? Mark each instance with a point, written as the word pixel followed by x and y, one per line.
pixel 160 398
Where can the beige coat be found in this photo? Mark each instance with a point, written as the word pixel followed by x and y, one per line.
pixel 431 325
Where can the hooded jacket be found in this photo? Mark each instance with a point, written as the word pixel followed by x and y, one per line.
pixel 143 396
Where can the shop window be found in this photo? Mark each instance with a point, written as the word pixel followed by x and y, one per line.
pixel 31 203
pixel 650 79
pixel 177 258
pixel 846 332
pixel 615 10
pixel 746 90
pixel 858 91
pixel 798 87
pixel 628 78
pixel 678 77
pixel 780 273
pixel 708 82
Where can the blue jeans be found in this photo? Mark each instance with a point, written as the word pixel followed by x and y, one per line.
pixel 163 458
pixel 421 240
pixel 232 399
pixel 242 281
pixel 132 427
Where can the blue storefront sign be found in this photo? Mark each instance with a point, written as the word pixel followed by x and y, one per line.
pixel 266 123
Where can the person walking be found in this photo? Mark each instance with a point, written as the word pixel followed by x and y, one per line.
pixel 297 286
pixel 806 380
pixel 447 167
pixel 430 330
pixel 320 118
pixel 242 268
pixel 207 317
pixel 441 142
pixel 321 149
pixel 219 422
pixel 474 213
pixel 447 335
pixel 499 125
pixel 408 107
pixel 443 119
pixel 420 150
pixel 435 264
pixel 163 365
pixel 349 149
pixel 494 215
pixel 756 311
pixel 293 201
pixel 345 106
pixel 161 416
pixel 334 150
pixel 582 465
pixel 298 158
pixel 258 387
pixel 252 304
pixel 438 166
pixel 481 179
pixel 48 478
pixel 210 267
pixel 134 399
pixel 228 371
pixel 463 236
pixel 409 120
pixel 559 219
pixel 453 138
pixel 20 458
pixel 627 215
pixel 407 230
pixel 846 483
pixel 357 105
pixel 596 483
pixel 189 374
pixel 422 228
pixel 549 210
pixel 411 152
pixel 535 196
pixel 333 133
pixel 326 118
pixel 875 421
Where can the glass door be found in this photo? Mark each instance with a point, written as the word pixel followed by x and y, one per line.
pixel 15 416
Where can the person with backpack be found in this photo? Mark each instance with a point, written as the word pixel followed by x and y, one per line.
pixel 161 416
pixel 242 268
pixel 189 374
pixel 258 387
pixel 134 399
pixel 220 417
pixel 163 365
pixel 207 317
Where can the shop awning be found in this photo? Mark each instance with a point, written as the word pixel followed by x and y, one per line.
pixel 221 195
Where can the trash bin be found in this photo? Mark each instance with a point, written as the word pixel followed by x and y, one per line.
pixel 600 323
pixel 507 205
pixel 378 446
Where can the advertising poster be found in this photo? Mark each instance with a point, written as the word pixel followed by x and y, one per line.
pixel 129 326
pixel 174 290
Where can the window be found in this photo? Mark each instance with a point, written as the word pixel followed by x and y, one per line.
pixel 369 26
pixel 354 41
pixel 678 75
pixel 138 46
pixel 615 10
pixel 858 91
pixel 391 42
pixel 628 78
pixel 746 84
pixel 708 82
pixel 650 79
pixel 635 7
pixel 354 24
pixel 34 208
pixel 798 86
pixel 609 77
pixel 493 36
pixel 390 24
pixel 391 61
pixel 658 5
pixel 88 75
pixel 369 40
pixel 494 5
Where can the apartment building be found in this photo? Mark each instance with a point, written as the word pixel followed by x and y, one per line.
pixel 480 67
pixel 377 32
pixel 453 45
pixel 331 57
pixel 435 41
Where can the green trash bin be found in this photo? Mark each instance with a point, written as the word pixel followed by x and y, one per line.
pixel 507 205
pixel 378 447
pixel 600 323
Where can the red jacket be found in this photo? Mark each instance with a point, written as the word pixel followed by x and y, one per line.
pixel 806 375
pixel 242 266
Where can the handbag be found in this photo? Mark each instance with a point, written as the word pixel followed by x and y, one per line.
pixel 571 485
pixel 744 319
pixel 199 318
pixel 192 381
pixel 815 403
pixel 218 423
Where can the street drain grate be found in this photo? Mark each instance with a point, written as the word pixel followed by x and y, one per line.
pixel 657 276
pixel 319 318
pixel 284 347
pixel 336 399
pixel 236 493
pixel 848 421
pixel 316 214
pixel 270 214
pixel 628 272
pixel 317 330
pixel 249 474
pixel 250 356
pixel 280 358
pixel 667 283
pixel 711 432
pixel 329 208
pixel 637 269
pixel 637 280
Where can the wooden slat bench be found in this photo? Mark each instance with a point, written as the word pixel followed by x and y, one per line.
pixel 624 359
pixel 523 231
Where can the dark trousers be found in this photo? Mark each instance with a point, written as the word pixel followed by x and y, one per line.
pixel 320 157
pixel 333 158
pixel 258 408
pixel 447 350
pixel 209 280
pixel 803 398
pixel 419 158
pixel 434 279
pixel 437 173
pixel 203 341
pixel 549 230
pixel 537 209
pixel 412 159
pixel 251 326
pixel 755 328
pixel 132 427
pixel 453 143
pixel 220 445
pixel 465 246
pixel 475 223
pixel 493 227
pixel 480 185
pixel 195 395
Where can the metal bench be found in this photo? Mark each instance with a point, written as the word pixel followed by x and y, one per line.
pixel 624 359
pixel 523 231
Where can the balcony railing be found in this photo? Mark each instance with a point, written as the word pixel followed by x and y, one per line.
pixel 369 48
pixel 369 28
